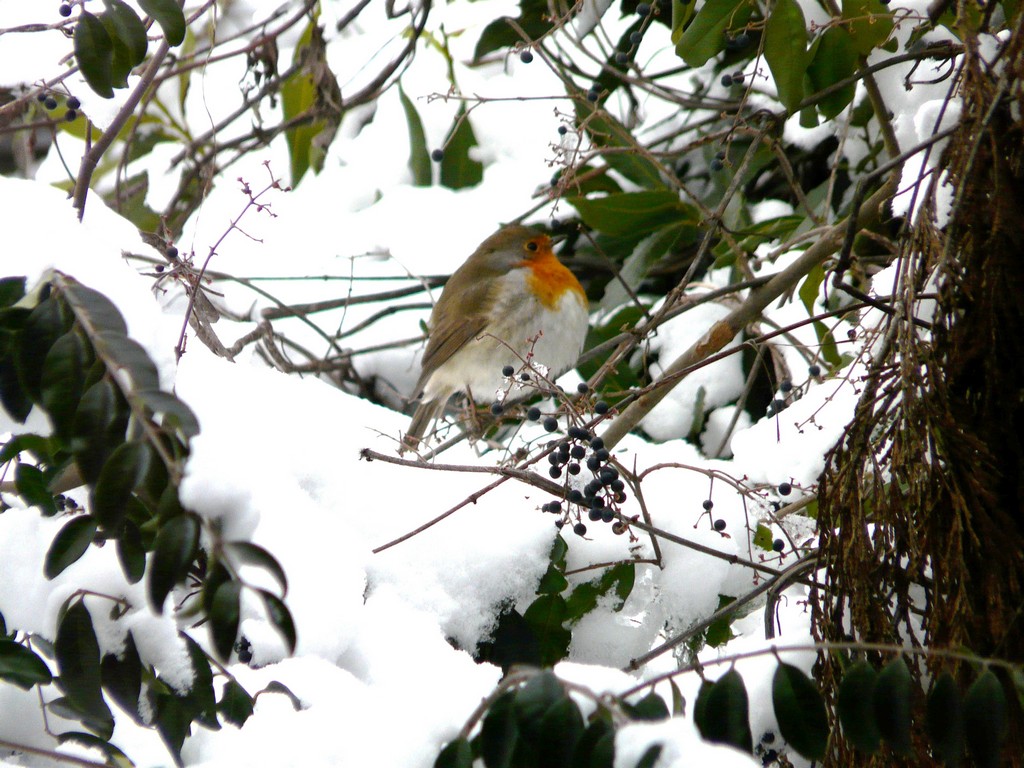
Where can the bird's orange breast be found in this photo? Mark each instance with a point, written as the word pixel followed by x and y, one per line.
pixel 548 279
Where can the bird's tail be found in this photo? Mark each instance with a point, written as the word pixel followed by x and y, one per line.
pixel 426 412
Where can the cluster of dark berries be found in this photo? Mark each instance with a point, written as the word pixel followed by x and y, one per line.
pixel 736 78
pixel 601 495
pixel 50 103
pixel 738 43
pixel 594 94
pixel 718 161
pixel 764 749
pixel 789 393
pixel 65 503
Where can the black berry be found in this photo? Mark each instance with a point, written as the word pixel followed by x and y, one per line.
pixel 719 524
pixel 159 267
pixel 580 529
pixel 71 115
pixel 607 515
pixel 593 463
pixel 617 486
pixel 550 424
pixel 497 409
pixel 437 155
pixel 742 40
pixel 508 370
pixel 172 252
pixel 593 95
pixel 574 469
pixel 582 388
pixel 814 370
pixel 526 57
pixel 575 496
pixel 597 443
pixel 594 514
pixel 727 81
pixel 601 408
pixel 720 154
pixel 635 37
pixel 578 452
pixel 64 10
pixel 602 454
pixel 555 472
pixel 785 489
pixel 708 504
pixel 562 130
pixel 778 545
pixel 41 97
pixel 50 102
pixel 643 9
pixel 73 102
pixel 716 164
pixel 533 414
pixel 786 385
pixel 621 57
pixel 559 523
pixel 737 77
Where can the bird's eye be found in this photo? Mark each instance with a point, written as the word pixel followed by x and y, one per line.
pixel 532 245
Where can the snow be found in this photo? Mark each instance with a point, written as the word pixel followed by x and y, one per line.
pixel 382 638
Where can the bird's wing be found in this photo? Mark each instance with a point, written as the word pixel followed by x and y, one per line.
pixel 445 340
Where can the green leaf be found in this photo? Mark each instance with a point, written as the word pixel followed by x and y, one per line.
pixel 678 701
pixel 763 538
pixel 629 213
pixel 829 350
pixel 456 754
pixel 63 379
pixel 175 413
pixel 115 756
pixel 280 617
pixel 540 693
pixel 892 706
pixel 128 355
pixel 131 553
pixel 650 757
pixel 785 50
pixel 834 60
pixel 552 582
pixel 236 705
pixel 719 632
pixel 69 545
pixel 94 52
pixel 986 720
pixel 20 666
pixel 584 597
pixel 128 28
pixel 169 16
pixel 419 156
pixel 642 260
pixel 605 131
pixel 95 310
pixel 868 22
pixel 458 169
pixel 225 612
pixel 809 288
pixel 724 717
pixel 41 329
pixel 855 707
pixel 122 678
pixel 682 12
pixel 800 712
pixel 545 617
pixel 174 548
pixel 12 290
pixel 499 733
pixel 534 19
pixel 299 96
pixel 252 554
pixel 78 661
pixel 944 720
pixel 596 747
pixel 705 36
pixel 31 485
pixel 560 729
pixel 121 63
pixel 94 422
pixel 123 472
pixel 200 702
pixel 651 708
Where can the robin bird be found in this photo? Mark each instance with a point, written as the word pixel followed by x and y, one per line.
pixel 511 298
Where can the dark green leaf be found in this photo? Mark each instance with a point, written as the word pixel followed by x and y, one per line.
pixel 247 553
pixel 224 616
pixel 719 632
pixel 176 414
pixel 868 22
pixel 31 484
pixel 650 708
pixel 944 720
pixel 94 52
pixel 41 329
pixel 539 694
pixel 724 717
pixel 632 213
pixel 280 617
pixel 63 380
pixel 95 311
pixel 705 36
pixel 275 686
pixel 172 721
pixel 200 701
pixel 545 616
pixel 763 537
pixel 12 289
pixel 92 427
pixel 499 733
pixel 606 131
pixel 456 754
pixel 175 547
pixel 235 705
pixel 114 755
pixel 534 19
pixel 552 582
pixel 419 156
pixel 559 731
pixel 856 709
pixel 800 712
pixel 834 60
pixel 129 356
pixel 131 553
pixel 892 705
pixel 20 666
pixel 128 27
pixel 645 256
pixel 13 396
pixel 169 16
pixel 986 720
pixel 785 50
pixel 121 63
pixel 650 757
pixel 69 544
pixel 596 747
pixel 123 472
pixel 122 678
pixel 78 661
pixel 458 169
